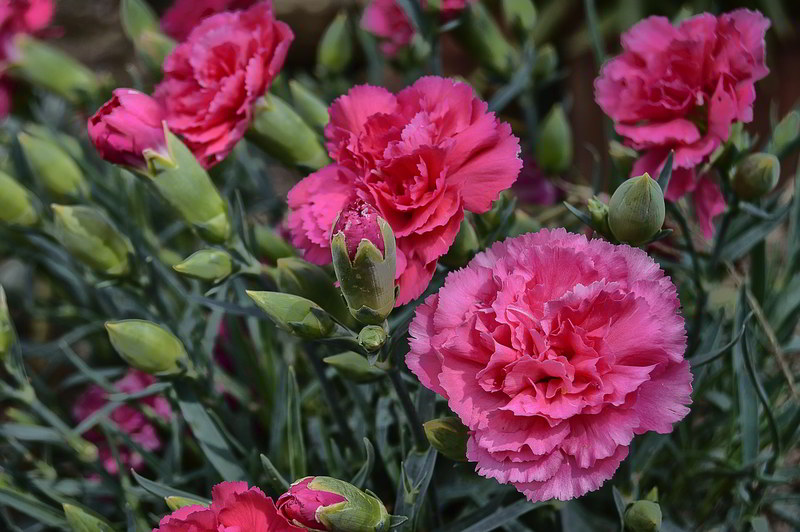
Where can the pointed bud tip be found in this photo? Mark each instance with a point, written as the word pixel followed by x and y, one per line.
pixel 359 221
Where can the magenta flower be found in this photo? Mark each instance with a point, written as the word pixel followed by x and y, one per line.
pixel 300 504
pixel 128 419
pixel 358 221
pixel 181 18
pixel 681 88
pixel 129 123
pixel 234 507
pixel 420 158
pixel 555 351
pixel 212 80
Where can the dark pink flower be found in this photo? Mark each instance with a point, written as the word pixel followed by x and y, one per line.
pixel 420 158
pixel 554 351
pixel 181 18
pixel 533 186
pixel 681 88
pixel 126 417
pixel 212 80
pixel 234 507
pixel 129 123
pixel 300 504
pixel 359 220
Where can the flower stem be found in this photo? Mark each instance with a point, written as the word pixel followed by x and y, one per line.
pixel 408 407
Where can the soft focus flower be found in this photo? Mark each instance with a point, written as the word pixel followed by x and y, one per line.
pixel 300 504
pixel 126 125
pixel 533 186
pixel 681 88
pixel 212 79
pixel 234 506
pixel 128 419
pixel 554 351
pixel 181 18
pixel 420 158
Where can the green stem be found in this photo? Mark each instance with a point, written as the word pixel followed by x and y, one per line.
pixel 400 388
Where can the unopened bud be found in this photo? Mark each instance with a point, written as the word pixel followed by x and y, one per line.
pixel 520 15
pixel 140 23
pixel 355 367
pixel 448 436
pixel 756 175
pixel 364 255
pixel 372 337
pixel 598 213
pixel 785 133
pixel 480 35
pixel 207 265
pixel 81 520
pixel 17 203
pixel 271 245
pixel 295 314
pixel 623 157
pixel 523 223
pixel 329 504
pixel 281 132
pixel 643 516
pixel 147 346
pixel 546 62
pixel 6 329
pixel 53 167
pixel 636 210
pixel 335 50
pixel 313 110
pixel 93 239
pixel 464 246
pixel 554 148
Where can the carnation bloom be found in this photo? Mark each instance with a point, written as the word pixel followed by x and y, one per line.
pixel 181 18
pixel 129 123
pixel 126 417
pixel 234 507
pixel 554 351
pixel 212 80
pixel 420 158
pixel 681 88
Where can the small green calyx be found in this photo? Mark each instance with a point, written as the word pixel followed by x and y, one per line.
pixel 360 512
pixel 448 436
pixel 643 516
pixel 756 176
pixel 372 337
pixel 207 265
pixel 147 346
pixel 297 315
pixel 93 239
pixel 355 367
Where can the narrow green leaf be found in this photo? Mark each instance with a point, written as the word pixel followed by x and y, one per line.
pixel 619 502
pixel 417 471
pixel 361 477
pixel 162 490
pixel 746 393
pixel 29 505
pixel 294 430
pixel 503 515
pixel 666 173
pixel 705 358
pixel 736 248
pixel 274 477
pixel 579 214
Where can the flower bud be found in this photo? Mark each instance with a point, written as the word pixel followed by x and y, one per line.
pixel 364 255
pixel 17 204
pixel 6 329
pixel 207 265
pixel 141 25
pixel 523 223
pixel 636 210
pixel 81 520
pixel 480 35
pixel 313 110
pixel 785 133
pixel 448 436
pixel 53 168
pixel 187 187
pixel 546 62
pixel 756 175
pixel 623 157
pixel 270 244
pixel 93 239
pixel 126 125
pixel 554 149
pixel 301 278
pixel 335 50
pixel 328 504
pixel 520 15
pixel 295 314
pixel 147 346
pixel 355 367
pixel 598 212
pixel 372 337
pixel 464 246
pixel 643 516
pixel 280 132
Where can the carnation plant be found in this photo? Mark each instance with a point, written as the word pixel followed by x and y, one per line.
pixel 240 294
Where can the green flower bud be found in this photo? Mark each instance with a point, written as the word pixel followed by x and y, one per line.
pixel 270 244
pixel 598 212
pixel 301 278
pixel 207 265
pixel 147 346
pixel 785 133
pixel 6 328
pixel 313 110
pixel 448 436
pixel 176 503
pixel 17 203
pixel 53 167
pixel 623 157
pixel 93 239
pixel 45 66
pixel 335 50
pixel 546 62
pixel 66 142
pixel 140 24
pixel 295 314
pixel 636 210
pixel 643 516
pixel 281 133
pixel 480 35
pixel 372 337
pixel 187 187
pixel 464 246
pixel 520 15
pixel 523 223
pixel 756 175
pixel 81 520
pixel 554 149
pixel 364 256
pixel 355 367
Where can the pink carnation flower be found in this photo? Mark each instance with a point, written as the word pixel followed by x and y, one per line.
pixel 212 80
pixel 128 419
pixel 554 351
pixel 681 88
pixel 181 18
pixel 420 158
pixel 300 504
pixel 234 507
